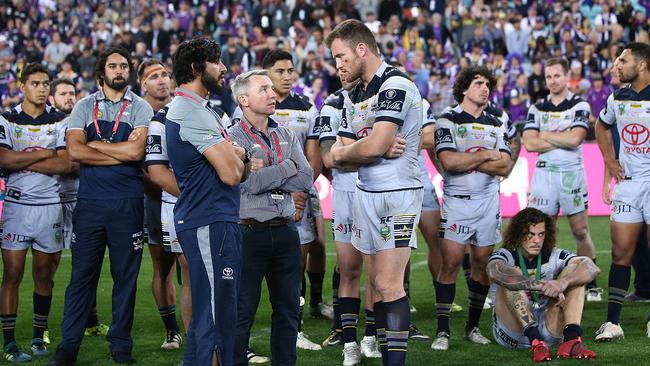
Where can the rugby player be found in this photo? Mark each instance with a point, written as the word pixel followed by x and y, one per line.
pixel 32 150
pixel 388 198
pixel 540 289
pixel 626 109
pixel 555 128
pixel 473 149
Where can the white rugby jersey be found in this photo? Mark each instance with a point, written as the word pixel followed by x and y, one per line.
pixel 573 112
pixel 21 132
pixel 457 130
pixel 327 126
pixel 552 263
pixel 630 112
pixel 427 119
pixel 156 148
pixel 295 113
pixel 389 97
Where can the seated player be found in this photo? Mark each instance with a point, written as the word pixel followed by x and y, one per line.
pixel 540 292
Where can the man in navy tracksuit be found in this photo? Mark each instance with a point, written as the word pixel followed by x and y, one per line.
pixel 106 135
pixel 208 168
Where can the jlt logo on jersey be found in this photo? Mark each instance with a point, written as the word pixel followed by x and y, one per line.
pixel 459 229
pixel 619 208
pixel 356 232
pixel 344 228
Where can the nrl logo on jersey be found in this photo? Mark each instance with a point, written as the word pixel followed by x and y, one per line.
pixel 621 109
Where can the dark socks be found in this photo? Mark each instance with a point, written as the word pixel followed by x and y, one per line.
pixel 349 317
pixel 371 330
pixel 380 324
pixel 445 294
pixel 476 294
pixel 571 332
pixel 8 328
pixel 41 313
pixel 619 281
pixel 315 287
pixel 168 315
pixel 532 332
pixel 398 318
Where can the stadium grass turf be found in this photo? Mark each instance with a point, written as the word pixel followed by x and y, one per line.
pixel 148 330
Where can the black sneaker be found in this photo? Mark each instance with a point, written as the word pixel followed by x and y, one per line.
pixel 415 334
pixel 61 358
pixel 334 338
pixel 122 357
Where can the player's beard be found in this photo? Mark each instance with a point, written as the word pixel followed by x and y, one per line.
pixel 211 83
pixel 64 109
pixel 117 83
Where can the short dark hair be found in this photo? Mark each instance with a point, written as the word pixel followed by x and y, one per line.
pixel 558 61
pixel 516 232
pixel 353 32
pixel 190 57
pixel 146 64
pixel 62 81
pixel 103 58
pixel 274 56
pixel 639 51
pixel 31 69
pixel 467 75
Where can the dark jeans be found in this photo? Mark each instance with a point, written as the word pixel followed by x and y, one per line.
pixel 641 265
pixel 273 254
pixel 116 224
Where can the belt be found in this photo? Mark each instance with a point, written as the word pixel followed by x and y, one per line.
pixel 462 196
pixel 278 221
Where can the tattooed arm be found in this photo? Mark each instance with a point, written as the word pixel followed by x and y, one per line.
pixel 510 277
pixel 325 147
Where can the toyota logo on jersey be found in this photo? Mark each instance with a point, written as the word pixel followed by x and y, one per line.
pixel 635 134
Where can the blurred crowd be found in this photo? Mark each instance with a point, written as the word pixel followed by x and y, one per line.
pixel 434 39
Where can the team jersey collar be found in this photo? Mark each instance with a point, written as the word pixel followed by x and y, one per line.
pixel 645 92
pixel 99 95
pixel 192 95
pixel 569 96
pixel 19 109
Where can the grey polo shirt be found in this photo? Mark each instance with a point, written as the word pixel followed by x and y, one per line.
pixel 265 195
pixel 122 181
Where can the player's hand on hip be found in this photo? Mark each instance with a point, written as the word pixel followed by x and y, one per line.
pixel 298 215
pixel 397 148
pixel 299 200
pixel 615 170
pixel 256 164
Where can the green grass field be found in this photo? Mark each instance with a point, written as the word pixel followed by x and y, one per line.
pixel 148 329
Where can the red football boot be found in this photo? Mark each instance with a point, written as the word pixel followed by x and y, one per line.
pixel 574 349
pixel 540 351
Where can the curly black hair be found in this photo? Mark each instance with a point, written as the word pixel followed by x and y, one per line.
pixel 467 75
pixel 519 227
pixel 31 69
pixel 100 67
pixel 190 58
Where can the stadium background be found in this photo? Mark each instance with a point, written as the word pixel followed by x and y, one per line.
pixel 434 39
